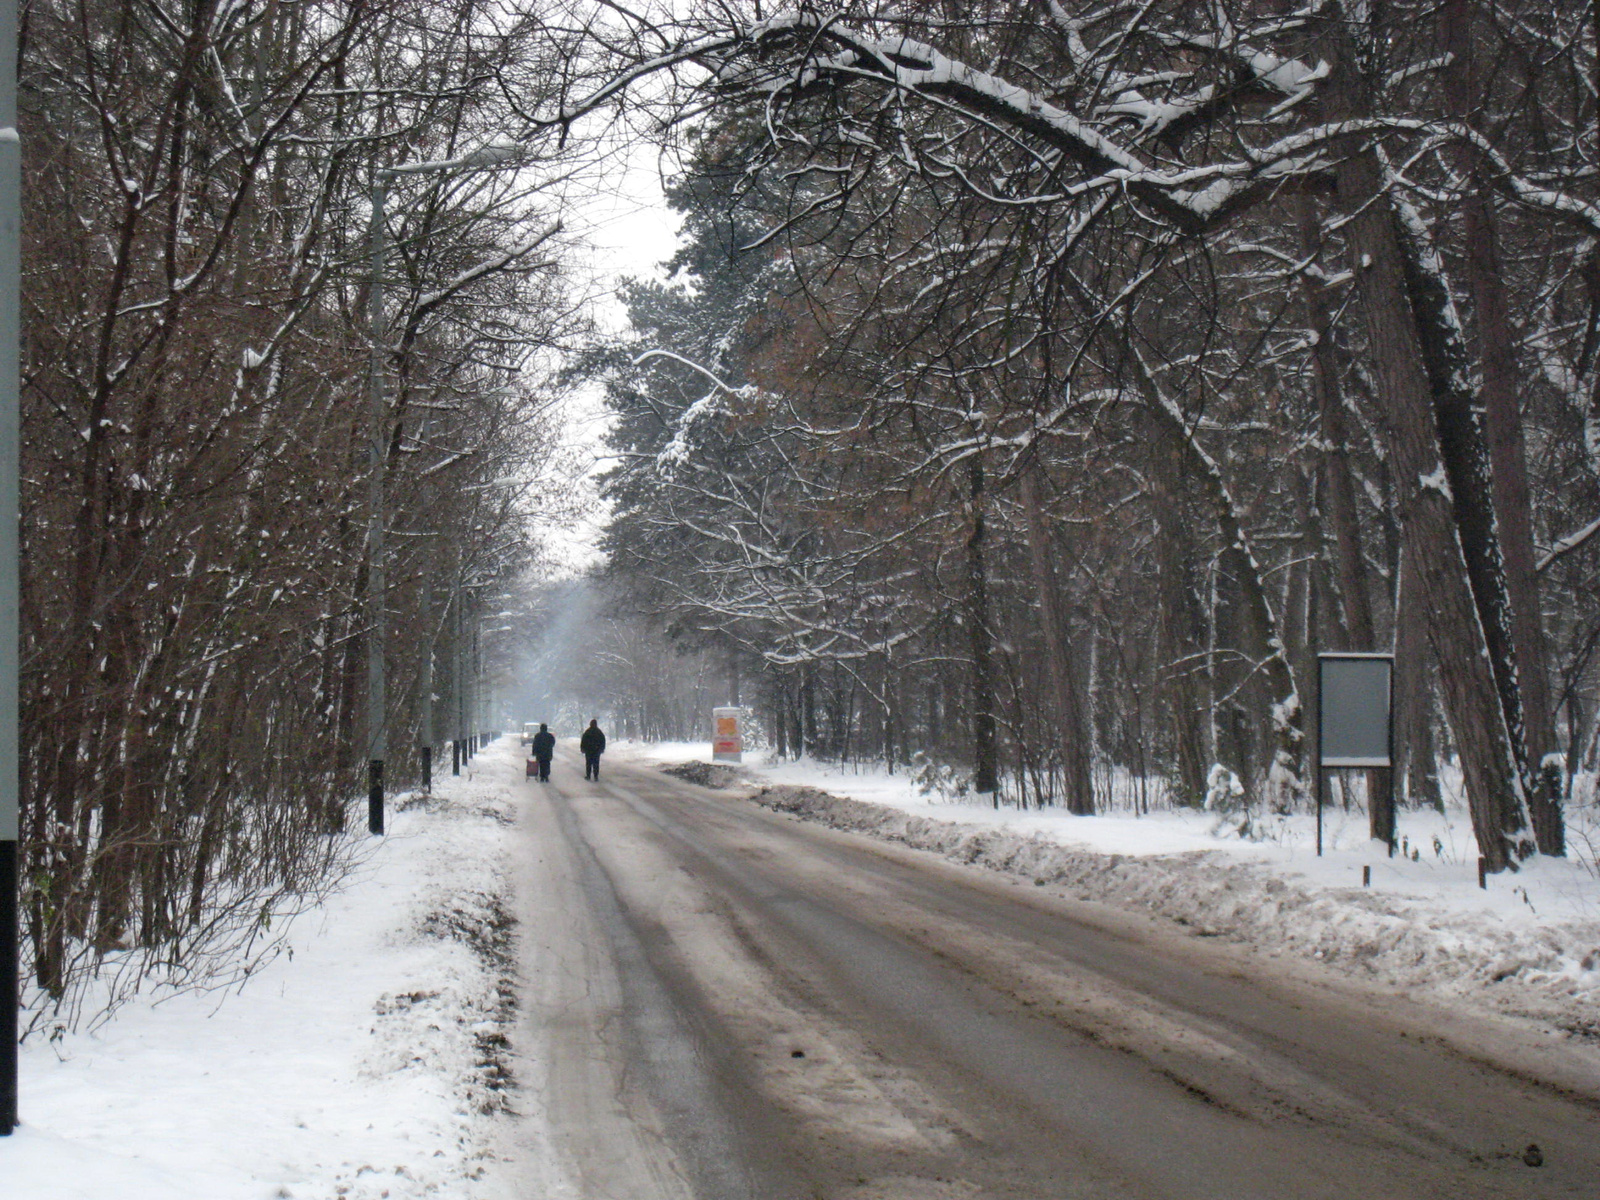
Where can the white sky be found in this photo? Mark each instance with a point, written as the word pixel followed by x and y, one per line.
pixel 623 215
pixel 620 212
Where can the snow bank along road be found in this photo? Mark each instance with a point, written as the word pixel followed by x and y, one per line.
pixel 731 1002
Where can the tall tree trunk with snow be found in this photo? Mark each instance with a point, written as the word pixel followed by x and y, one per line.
pixel 1432 450
pixel 1503 426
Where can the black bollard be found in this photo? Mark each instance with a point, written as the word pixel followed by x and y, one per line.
pixel 375 796
pixel 427 768
pixel 8 987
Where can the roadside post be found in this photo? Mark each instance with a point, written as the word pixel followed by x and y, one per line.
pixel 10 566
pixel 727 742
pixel 377 449
pixel 1355 718
pixel 490 156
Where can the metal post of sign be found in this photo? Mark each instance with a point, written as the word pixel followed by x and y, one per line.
pixel 1391 781
pixel 10 565
pixel 1317 774
pixel 1355 717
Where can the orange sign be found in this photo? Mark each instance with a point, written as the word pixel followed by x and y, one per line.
pixel 726 743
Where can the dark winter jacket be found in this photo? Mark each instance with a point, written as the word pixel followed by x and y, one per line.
pixel 592 741
pixel 544 744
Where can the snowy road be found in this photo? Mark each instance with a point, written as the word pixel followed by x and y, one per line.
pixel 729 1002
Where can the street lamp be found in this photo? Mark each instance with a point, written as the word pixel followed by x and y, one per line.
pixel 426 682
pixel 487 157
pixel 10 555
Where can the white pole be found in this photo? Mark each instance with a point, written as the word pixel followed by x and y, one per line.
pixel 10 588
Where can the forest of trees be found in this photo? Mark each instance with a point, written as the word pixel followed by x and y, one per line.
pixel 1043 384
pixel 196 267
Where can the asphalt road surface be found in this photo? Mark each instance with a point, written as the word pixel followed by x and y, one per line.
pixel 726 1002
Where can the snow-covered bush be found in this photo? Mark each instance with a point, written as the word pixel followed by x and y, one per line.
pixel 938 779
pixel 1224 792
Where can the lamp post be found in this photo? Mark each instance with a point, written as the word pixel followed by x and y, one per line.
pixel 377 618
pixel 426 688
pixel 458 745
pixel 492 155
pixel 10 565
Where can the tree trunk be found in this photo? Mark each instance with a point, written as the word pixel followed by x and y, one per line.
pixel 1431 447
pixel 1502 420
pixel 1417 758
pixel 985 761
pixel 1076 763
pixel 1182 630
pixel 890 708
pixel 1337 495
pixel 807 719
pixel 780 719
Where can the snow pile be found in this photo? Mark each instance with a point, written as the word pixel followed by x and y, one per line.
pixel 1529 944
pixel 712 775
pixel 365 1063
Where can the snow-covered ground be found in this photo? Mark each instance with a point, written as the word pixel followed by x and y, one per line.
pixel 364 1063
pixel 1528 944
pixel 367 1064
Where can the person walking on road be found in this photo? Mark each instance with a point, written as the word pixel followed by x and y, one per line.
pixel 544 748
pixel 593 745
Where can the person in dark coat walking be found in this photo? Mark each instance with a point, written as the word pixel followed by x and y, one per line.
pixel 593 745
pixel 544 748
